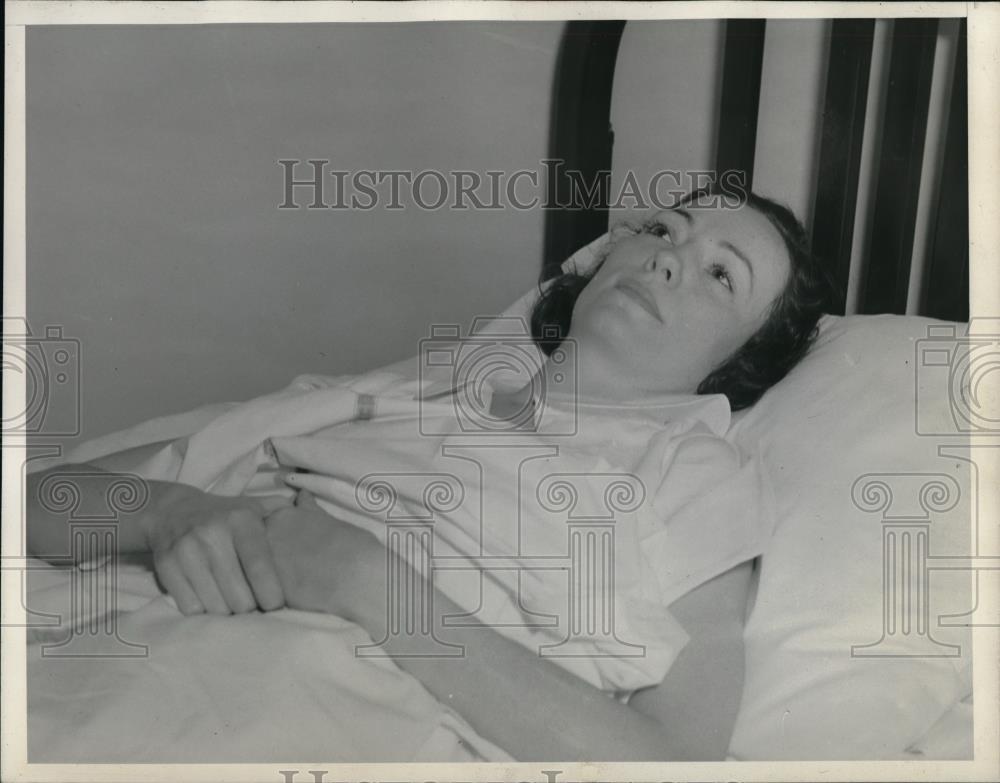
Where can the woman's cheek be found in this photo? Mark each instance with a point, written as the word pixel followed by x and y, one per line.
pixel 586 309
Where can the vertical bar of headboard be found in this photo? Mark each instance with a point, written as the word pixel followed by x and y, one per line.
pixel 946 286
pixel 840 148
pixel 878 87
pixel 739 102
pixel 932 171
pixel 580 133
pixel 885 281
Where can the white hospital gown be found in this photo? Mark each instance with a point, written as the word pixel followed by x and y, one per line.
pixel 572 537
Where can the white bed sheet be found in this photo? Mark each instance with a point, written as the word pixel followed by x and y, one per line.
pixel 285 685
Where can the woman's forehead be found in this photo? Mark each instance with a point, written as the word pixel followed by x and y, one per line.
pixel 741 218
pixel 742 224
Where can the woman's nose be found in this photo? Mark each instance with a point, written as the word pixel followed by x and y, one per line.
pixel 668 264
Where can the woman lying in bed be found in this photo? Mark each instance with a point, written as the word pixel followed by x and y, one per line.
pixel 712 298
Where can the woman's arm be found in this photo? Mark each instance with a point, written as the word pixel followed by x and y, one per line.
pixel 536 710
pixel 529 706
pixel 210 552
pixel 698 701
pixel 47 536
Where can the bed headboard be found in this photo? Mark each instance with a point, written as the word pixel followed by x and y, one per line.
pixel 890 202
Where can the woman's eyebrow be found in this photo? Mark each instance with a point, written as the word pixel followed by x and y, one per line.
pixel 684 214
pixel 741 256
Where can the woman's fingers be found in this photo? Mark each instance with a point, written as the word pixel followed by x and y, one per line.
pixel 223 567
pixel 258 565
pixel 194 562
pixel 177 586
pixel 228 572
pixel 211 554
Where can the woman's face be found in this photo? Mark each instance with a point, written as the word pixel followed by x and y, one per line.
pixel 673 302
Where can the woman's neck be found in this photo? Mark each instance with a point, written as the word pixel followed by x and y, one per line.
pixel 594 381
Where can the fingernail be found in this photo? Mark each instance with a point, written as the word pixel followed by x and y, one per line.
pixel 290 478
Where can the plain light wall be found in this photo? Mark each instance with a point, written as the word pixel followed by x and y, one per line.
pixel 665 106
pixel 153 233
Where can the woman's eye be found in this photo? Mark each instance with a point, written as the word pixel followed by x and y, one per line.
pixel 658 229
pixel 720 273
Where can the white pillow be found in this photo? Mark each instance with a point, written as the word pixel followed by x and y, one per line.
pixel 850 409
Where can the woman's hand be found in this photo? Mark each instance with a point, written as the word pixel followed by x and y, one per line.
pixel 211 553
pixel 324 565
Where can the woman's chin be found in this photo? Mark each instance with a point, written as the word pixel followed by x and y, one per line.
pixel 617 321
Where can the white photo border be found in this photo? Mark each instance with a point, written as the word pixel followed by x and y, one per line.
pixel 984 211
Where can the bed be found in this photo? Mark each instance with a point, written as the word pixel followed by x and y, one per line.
pixel 867 597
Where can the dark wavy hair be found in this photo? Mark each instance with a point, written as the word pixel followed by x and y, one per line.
pixel 773 350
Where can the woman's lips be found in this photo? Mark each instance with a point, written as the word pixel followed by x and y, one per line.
pixel 638 292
